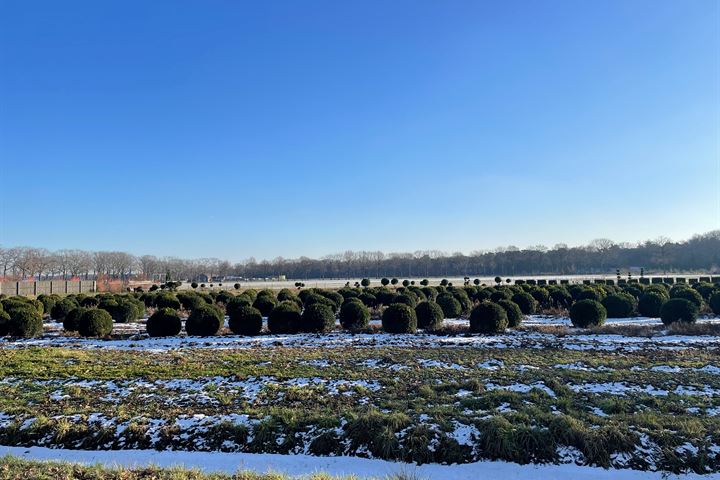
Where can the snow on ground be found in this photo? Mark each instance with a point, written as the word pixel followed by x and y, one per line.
pixel 535 320
pixel 302 465
pixel 510 339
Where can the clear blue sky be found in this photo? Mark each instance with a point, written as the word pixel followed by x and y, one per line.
pixel 236 129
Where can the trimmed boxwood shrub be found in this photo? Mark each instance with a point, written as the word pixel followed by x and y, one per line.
pixel 265 292
pixel 334 297
pixel 399 318
pixel 236 303
pixel 286 294
pixel 688 294
pixel 650 303
pixel 368 299
pixel 62 308
pixel 502 294
pixel 48 301
pixel 4 323
pixel 95 322
pixel 265 303
pixel 678 310
pixel 165 322
pixel 284 318
pixel 561 298
pixel 488 317
pixel 245 320
pixel 354 315
pixel 429 315
pixel 430 293
pixel 24 322
pixel 89 302
pixel 405 298
pixel 714 303
pixel 462 297
pixel 619 305
pixel 541 296
pixel 71 322
pixel 705 289
pixel 449 304
pixel 587 313
pixel 167 300
pixel 312 298
pixel 384 296
pixel 204 321
pixel 123 312
pixel 526 302
pixel 190 300
pixel 223 297
pixel 513 312
pixel 596 294
pixel 317 318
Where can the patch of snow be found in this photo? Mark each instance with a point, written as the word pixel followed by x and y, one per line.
pixel 521 387
pixel 305 465
pixel 492 364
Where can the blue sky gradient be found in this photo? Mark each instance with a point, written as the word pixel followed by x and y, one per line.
pixel 236 129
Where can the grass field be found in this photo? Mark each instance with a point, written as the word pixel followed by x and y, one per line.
pixel 16 469
pixel 641 402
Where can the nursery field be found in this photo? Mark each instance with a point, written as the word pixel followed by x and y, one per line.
pixel 446 399
pixel 648 403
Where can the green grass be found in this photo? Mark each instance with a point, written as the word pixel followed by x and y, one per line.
pixel 12 468
pixel 411 417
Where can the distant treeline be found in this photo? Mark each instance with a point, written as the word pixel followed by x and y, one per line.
pixel 700 253
pixel 601 256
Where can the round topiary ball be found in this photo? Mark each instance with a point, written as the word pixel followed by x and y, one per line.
pixel 89 302
pixel 368 299
pixel 354 315
pixel 541 296
pixel 619 305
pixel 429 315
pixel 167 300
pixel 190 300
pixel 560 297
pixel 95 322
pixel 526 302
pixel 25 322
pixel 223 297
pixel 265 303
pixel 204 321
pixel 587 313
pixel 71 322
pixel 405 298
pixel 399 318
pixel 650 303
pixel 4 323
pixel 488 317
pixel 714 303
pixel 123 312
pixel 48 301
pixel 688 294
pixel 502 294
pixel 335 298
pixel 236 303
pixel 317 318
pixel 513 312
pixel 286 294
pixel 678 310
pixel 284 318
pixel 165 322
pixel 245 320
pixel 62 308
pixel 450 305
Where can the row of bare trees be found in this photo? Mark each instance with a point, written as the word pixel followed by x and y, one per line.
pixel 700 253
